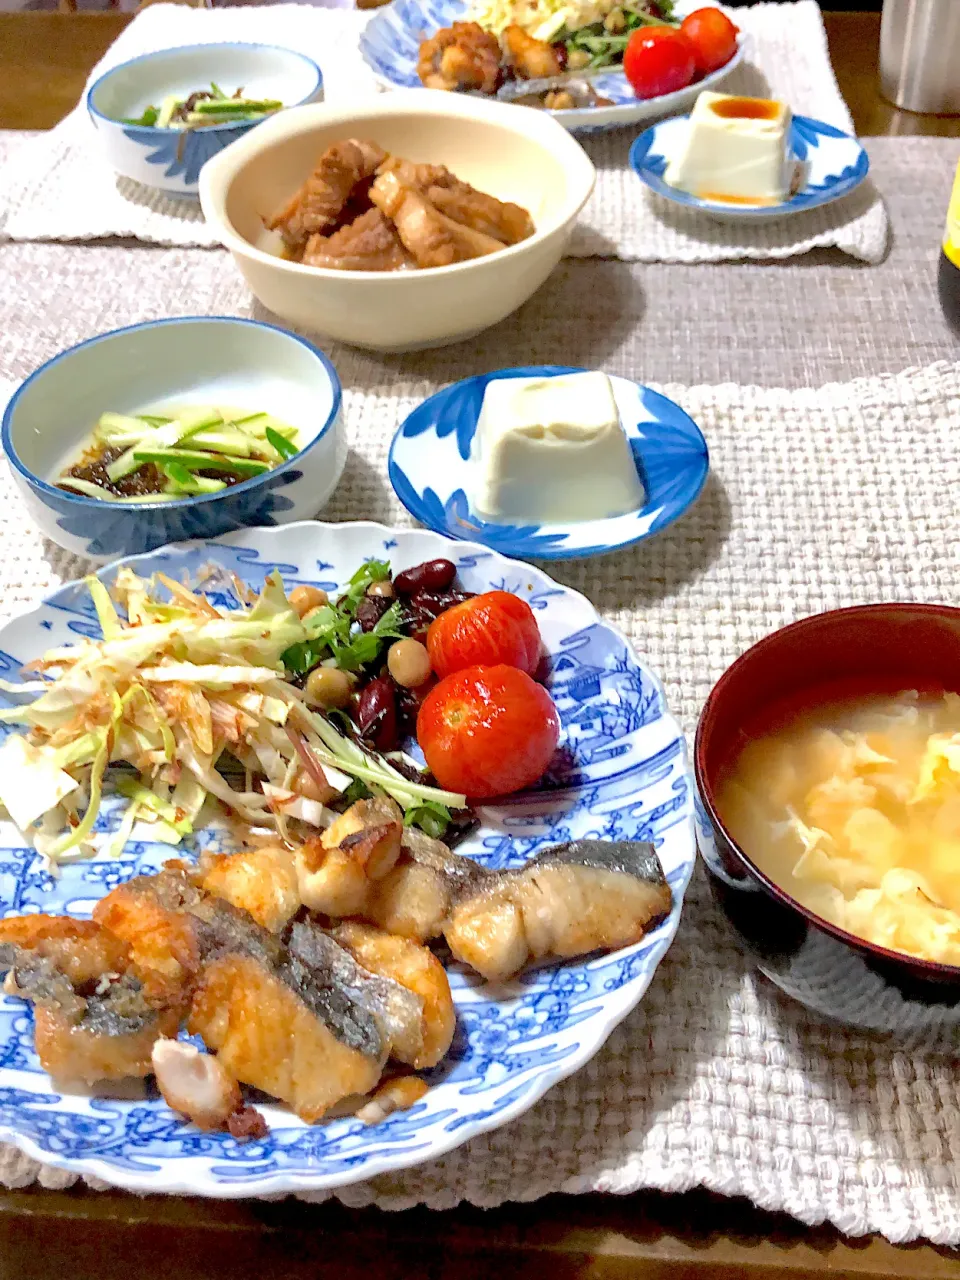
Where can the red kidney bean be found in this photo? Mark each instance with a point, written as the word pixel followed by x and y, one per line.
pixel 409 702
pixel 421 609
pixel 370 610
pixel 432 575
pixel 375 713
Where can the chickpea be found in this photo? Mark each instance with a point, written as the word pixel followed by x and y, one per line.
pixel 303 599
pixel 328 687
pixel 577 59
pixel 615 21
pixel 409 663
pixel 559 100
pixel 382 589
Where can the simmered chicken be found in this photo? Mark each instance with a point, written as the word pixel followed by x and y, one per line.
pixel 362 210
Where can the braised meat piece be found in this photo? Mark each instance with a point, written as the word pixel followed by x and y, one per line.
pixel 318 205
pixel 369 243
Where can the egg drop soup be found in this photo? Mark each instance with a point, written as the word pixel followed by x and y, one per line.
pixel 854 810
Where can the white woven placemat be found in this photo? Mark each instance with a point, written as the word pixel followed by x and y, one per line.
pixel 59 188
pixel 817 499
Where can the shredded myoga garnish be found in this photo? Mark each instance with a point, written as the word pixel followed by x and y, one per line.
pixel 183 704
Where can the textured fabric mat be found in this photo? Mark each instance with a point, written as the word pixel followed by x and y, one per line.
pixel 59 188
pixel 815 319
pixel 818 498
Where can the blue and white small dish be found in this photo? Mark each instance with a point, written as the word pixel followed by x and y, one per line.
pixel 390 45
pixel 174 364
pixel 832 165
pixel 621 774
pixel 171 159
pixel 430 469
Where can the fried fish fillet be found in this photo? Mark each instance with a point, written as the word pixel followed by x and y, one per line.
pixel 397 1007
pixel 95 1017
pixel 267 1031
pixel 588 895
pixel 415 898
pixel 147 913
pixel 262 881
pixel 335 871
pixel 79 949
pixel 415 968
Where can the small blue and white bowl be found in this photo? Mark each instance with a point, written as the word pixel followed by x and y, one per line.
pixel 832 164
pixel 174 364
pixel 171 159
pixel 431 470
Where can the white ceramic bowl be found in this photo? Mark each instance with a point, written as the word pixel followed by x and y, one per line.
pixel 171 159
pixel 510 152
pixel 171 364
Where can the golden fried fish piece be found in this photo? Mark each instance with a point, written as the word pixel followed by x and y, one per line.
pixel 588 895
pixel 95 1015
pixel 415 968
pixel 261 881
pixel 266 1034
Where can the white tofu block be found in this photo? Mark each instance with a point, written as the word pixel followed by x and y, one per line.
pixel 736 149
pixel 552 451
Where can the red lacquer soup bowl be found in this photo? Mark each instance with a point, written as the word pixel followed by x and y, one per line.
pixel 873 649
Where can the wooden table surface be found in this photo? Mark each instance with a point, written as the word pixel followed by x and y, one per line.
pixel 47 1235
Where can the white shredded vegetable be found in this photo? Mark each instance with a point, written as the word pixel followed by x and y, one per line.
pixel 175 690
pixel 542 19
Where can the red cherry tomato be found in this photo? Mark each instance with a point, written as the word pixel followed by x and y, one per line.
pixel 488 629
pixel 713 36
pixel 488 731
pixel 658 60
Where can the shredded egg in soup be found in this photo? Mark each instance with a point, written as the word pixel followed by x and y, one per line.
pixel 854 810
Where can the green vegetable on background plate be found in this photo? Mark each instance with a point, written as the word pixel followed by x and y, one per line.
pixel 204 108
pixel 602 43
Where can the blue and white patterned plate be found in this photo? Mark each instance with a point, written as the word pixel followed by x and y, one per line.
pixel 430 469
pixel 390 45
pixel 621 773
pixel 833 164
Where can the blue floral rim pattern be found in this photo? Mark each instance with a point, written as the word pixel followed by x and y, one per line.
pixel 621 773
pixel 834 164
pixel 430 469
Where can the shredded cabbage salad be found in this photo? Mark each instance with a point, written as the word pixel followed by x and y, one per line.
pixel 182 709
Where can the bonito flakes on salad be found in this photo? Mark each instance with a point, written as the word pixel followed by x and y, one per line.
pixel 185 703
